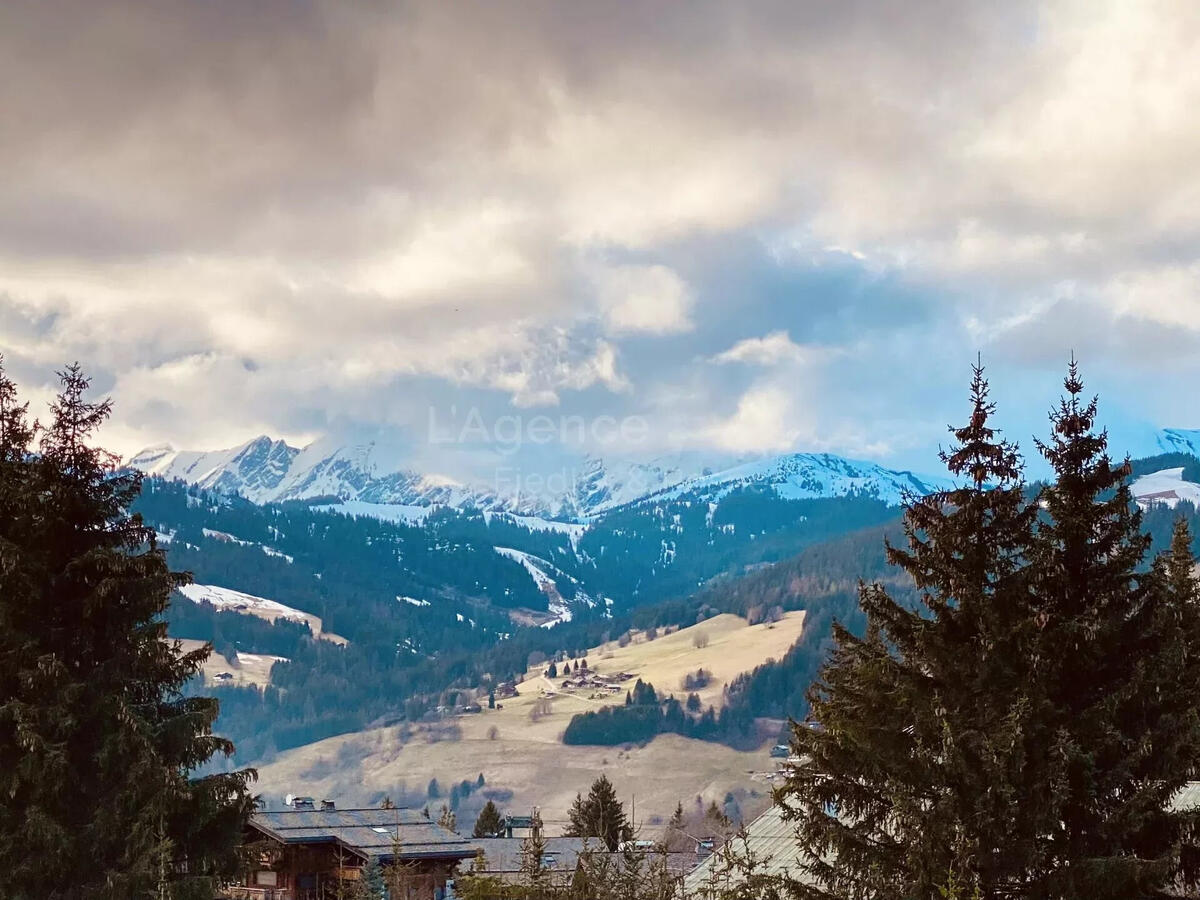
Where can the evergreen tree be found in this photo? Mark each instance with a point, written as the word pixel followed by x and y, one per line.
pixel 676 820
pixel 98 741
pixel 552 672
pixel 373 883
pixel 914 775
pixel 489 823
pixel 599 815
pixel 1118 657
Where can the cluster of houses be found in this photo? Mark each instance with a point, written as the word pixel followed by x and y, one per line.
pixel 311 849
pixel 588 679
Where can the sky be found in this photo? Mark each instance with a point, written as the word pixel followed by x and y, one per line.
pixel 745 228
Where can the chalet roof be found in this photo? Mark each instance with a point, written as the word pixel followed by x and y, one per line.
pixel 1187 798
pixel 366 832
pixel 504 854
pixel 773 843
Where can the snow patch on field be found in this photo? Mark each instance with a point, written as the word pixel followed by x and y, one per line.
pixel 1165 487
pixel 260 658
pixel 226 598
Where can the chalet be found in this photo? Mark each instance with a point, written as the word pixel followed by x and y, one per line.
pixel 308 854
pixel 505 690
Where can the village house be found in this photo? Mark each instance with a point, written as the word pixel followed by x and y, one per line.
pixel 305 854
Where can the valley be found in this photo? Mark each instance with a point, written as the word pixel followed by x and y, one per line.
pixel 518 748
pixel 345 629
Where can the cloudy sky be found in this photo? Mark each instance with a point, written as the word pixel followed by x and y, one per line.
pixel 759 226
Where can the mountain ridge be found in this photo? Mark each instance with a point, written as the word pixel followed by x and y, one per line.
pixel 265 470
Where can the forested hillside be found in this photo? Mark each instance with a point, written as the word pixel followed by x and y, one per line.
pixel 431 608
pixel 447 599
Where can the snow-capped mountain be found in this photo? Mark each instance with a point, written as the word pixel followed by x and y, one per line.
pixel 255 469
pixel 264 470
pixel 1179 440
pixel 601 484
pixel 373 473
pixel 804 476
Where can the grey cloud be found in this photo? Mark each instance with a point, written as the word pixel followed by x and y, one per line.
pixel 372 199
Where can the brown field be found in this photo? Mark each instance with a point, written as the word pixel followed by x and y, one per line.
pixel 250 668
pixel 527 755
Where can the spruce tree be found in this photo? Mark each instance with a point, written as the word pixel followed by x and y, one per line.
pixel 98 741
pixel 915 766
pixel 599 815
pixel 489 823
pixel 374 887
pixel 1118 654
pixel 676 820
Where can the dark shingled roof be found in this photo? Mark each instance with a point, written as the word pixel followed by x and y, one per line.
pixel 504 854
pixel 366 832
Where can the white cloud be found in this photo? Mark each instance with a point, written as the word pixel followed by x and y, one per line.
pixel 761 422
pixel 643 299
pixel 769 350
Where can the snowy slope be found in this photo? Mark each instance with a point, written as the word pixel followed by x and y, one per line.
pixel 224 598
pixel 541 572
pixel 803 476
pixel 1166 487
pixel 606 483
pixel 1179 440
pixel 228 599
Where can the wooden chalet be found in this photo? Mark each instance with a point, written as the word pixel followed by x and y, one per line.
pixel 306 854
